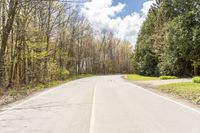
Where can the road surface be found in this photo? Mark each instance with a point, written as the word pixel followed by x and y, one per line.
pixel 103 104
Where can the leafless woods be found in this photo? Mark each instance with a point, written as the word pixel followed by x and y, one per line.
pixel 43 40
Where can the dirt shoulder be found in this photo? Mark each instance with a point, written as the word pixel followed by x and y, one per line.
pixel 13 95
pixel 162 82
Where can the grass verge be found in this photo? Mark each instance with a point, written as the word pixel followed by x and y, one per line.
pixel 167 77
pixel 188 91
pixel 196 79
pixel 13 94
pixel 140 78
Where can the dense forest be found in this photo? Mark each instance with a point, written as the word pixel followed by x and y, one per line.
pixel 169 41
pixel 45 40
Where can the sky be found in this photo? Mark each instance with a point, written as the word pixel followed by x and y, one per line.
pixel 123 18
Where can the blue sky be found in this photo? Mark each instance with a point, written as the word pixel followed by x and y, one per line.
pixel 131 6
pixel 123 18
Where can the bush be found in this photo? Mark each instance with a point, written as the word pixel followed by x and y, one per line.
pixel 53 70
pixel 168 77
pixel 65 74
pixel 196 79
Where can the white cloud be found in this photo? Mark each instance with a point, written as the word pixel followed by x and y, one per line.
pixel 146 6
pixel 102 15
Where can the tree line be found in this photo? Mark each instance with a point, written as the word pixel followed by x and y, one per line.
pixel 44 40
pixel 169 41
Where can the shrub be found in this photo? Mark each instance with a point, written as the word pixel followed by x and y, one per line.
pixel 168 77
pixel 196 79
pixel 65 74
pixel 53 70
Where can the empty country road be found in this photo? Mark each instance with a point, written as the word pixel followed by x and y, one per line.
pixel 102 104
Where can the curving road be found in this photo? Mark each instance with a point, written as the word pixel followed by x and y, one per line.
pixel 103 104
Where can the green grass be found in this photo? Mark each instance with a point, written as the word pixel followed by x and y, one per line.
pixel 140 78
pixel 167 77
pixel 189 91
pixel 196 79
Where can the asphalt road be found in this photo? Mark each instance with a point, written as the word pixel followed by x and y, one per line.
pixel 104 104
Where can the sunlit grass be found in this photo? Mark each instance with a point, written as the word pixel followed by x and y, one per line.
pixel 187 90
pixel 140 77
pixel 167 77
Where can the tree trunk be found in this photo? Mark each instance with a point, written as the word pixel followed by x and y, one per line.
pixel 6 31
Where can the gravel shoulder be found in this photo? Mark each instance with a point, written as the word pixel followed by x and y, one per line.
pixel 162 82
pixel 153 86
